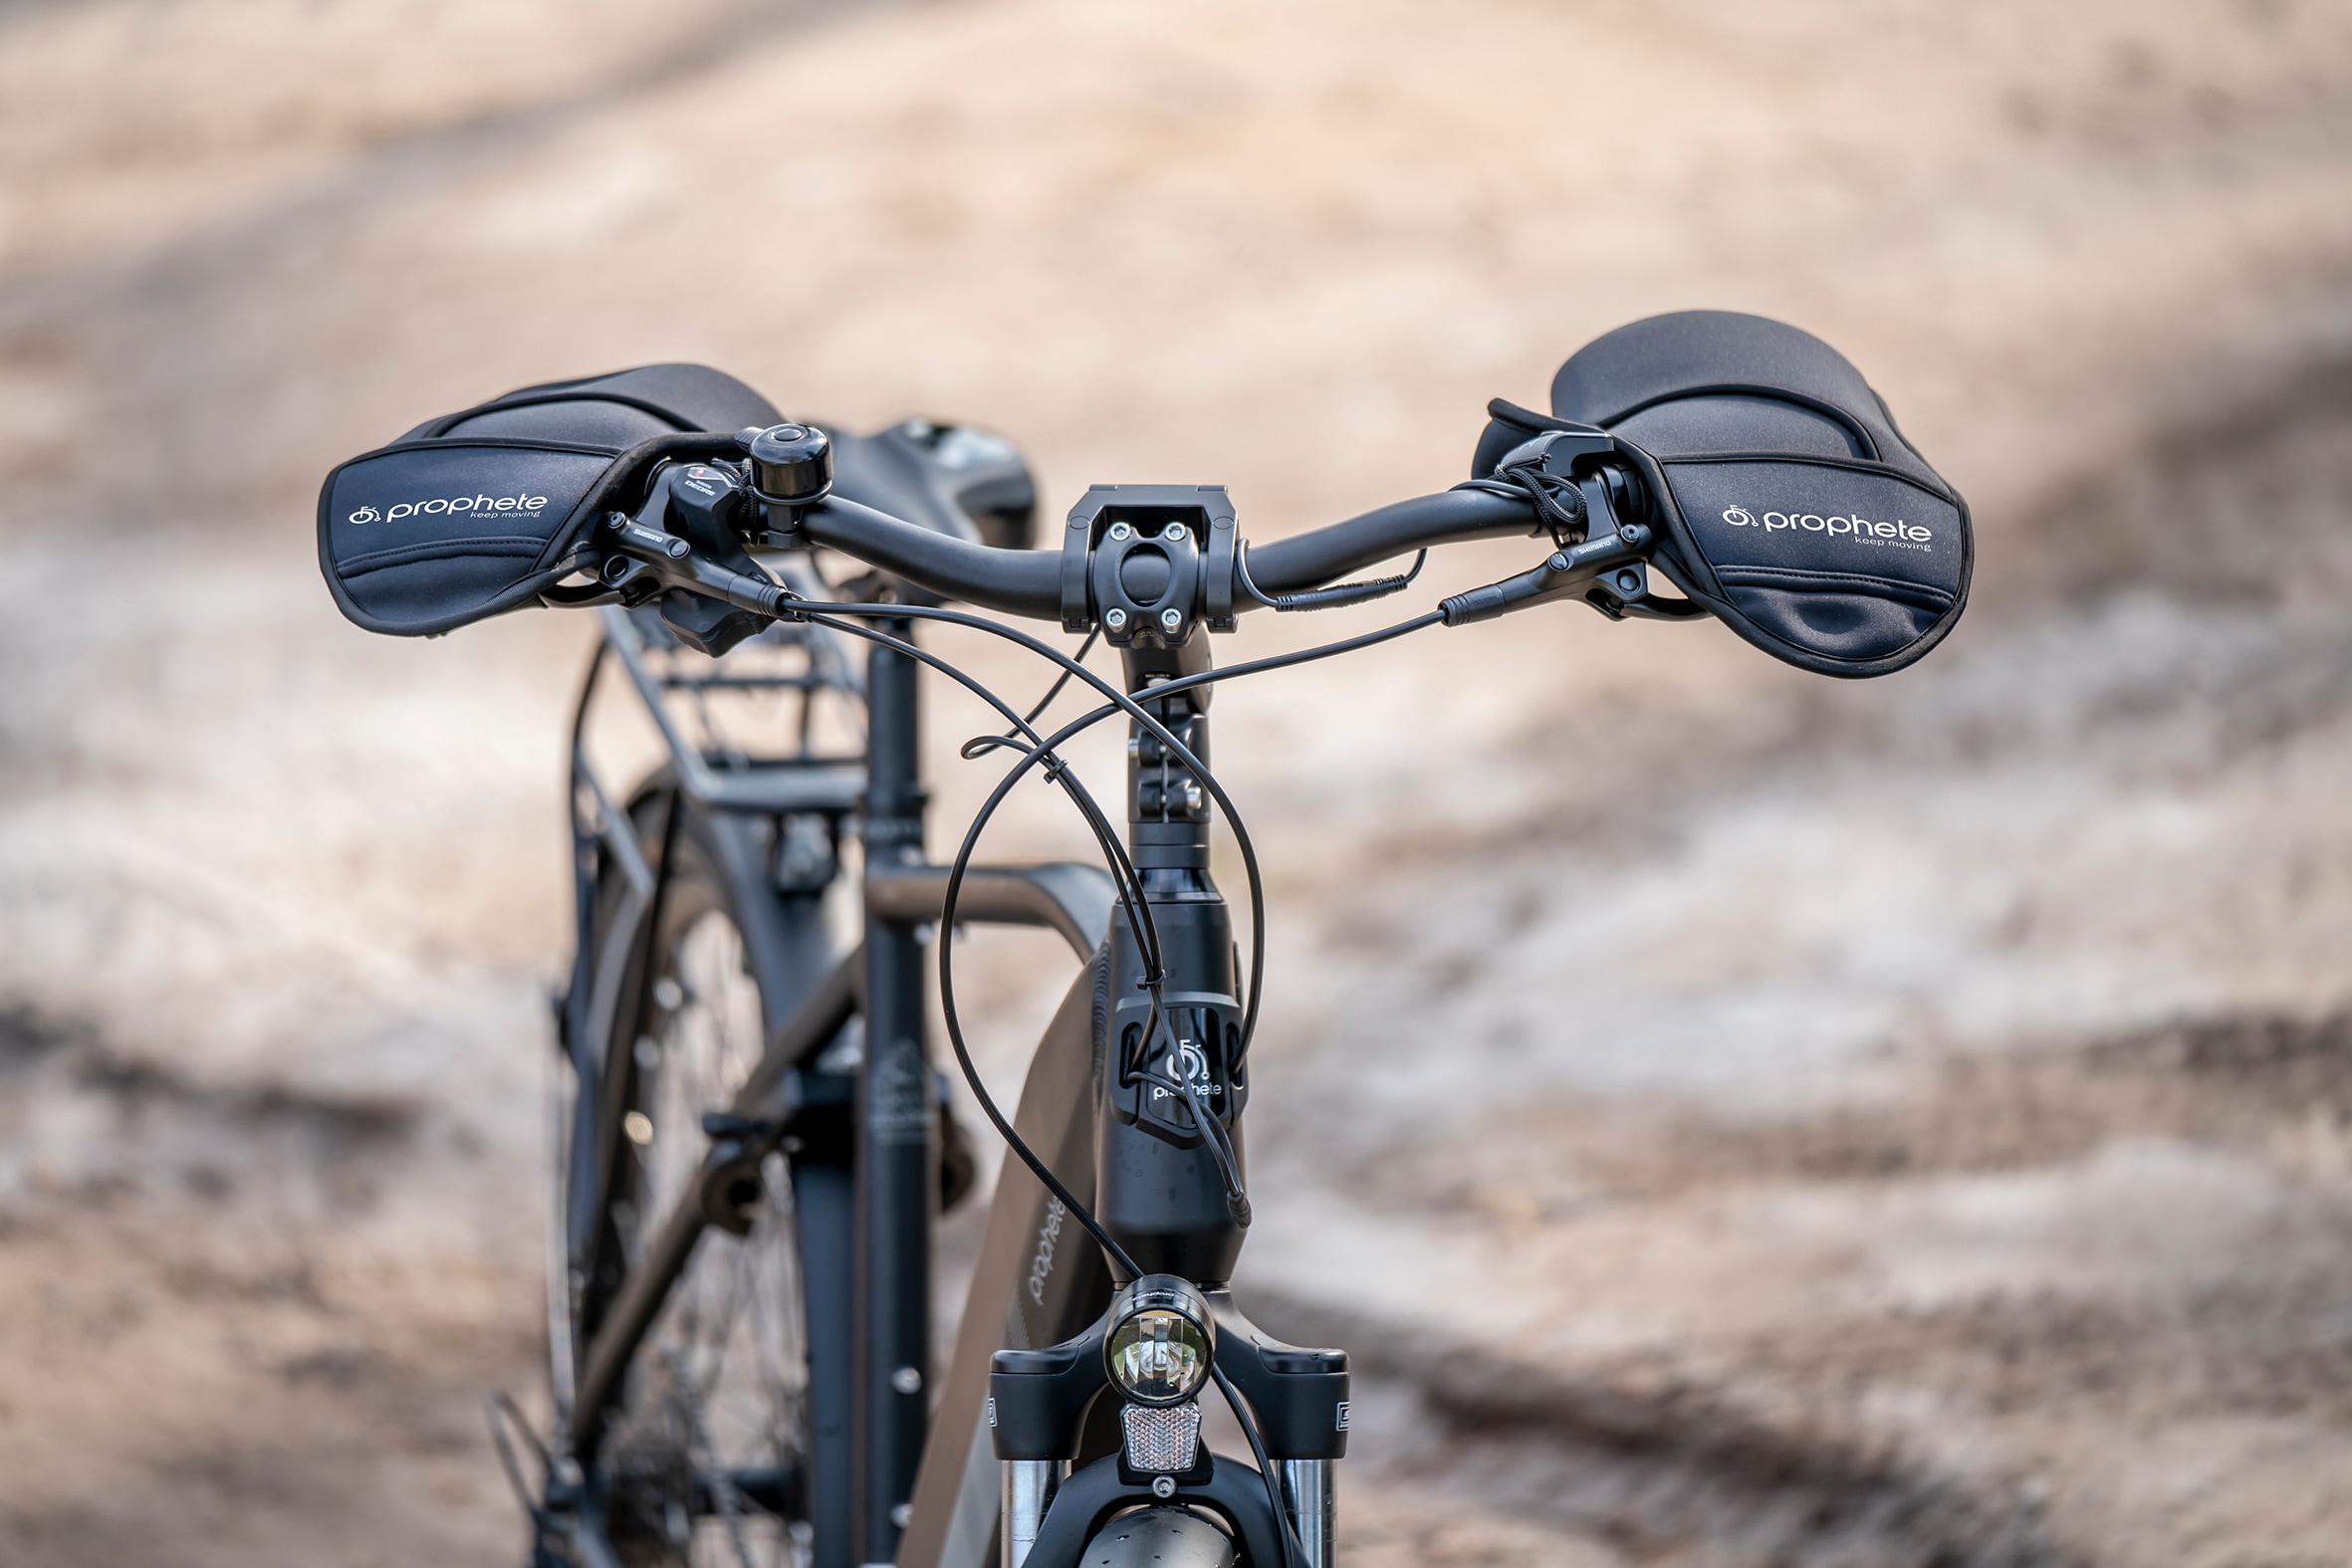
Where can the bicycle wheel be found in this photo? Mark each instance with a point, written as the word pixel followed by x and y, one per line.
pixel 706 1453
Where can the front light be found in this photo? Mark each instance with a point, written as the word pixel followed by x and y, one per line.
pixel 1160 1341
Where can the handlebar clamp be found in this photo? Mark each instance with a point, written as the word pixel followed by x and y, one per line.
pixel 1146 562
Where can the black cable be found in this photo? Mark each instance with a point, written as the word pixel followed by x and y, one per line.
pixel 1284 661
pixel 1122 868
pixel 1139 921
pixel 955 883
pixel 1211 1130
pixel 1138 905
pixel 1292 1550
pixel 1324 598
pixel 1123 702
pixel 1218 1143
pixel 1083 1212
pixel 1278 661
pixel 805 609
pixel 955 1028
pixel 981 744
pixel 1237 1196
pixel 1126 876
pixel 1558 505
pixel 1139 913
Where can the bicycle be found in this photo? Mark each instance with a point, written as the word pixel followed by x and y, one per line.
pixel 753 1143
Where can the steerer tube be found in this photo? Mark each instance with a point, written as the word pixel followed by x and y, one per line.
pixel 1160 1188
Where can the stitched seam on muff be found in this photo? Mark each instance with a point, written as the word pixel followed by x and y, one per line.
pixel 516 591
pixel 1799 578
pixel 1806 400
pixel 408 555
pixel 488 443
pixel 1857 465
pixel 449 422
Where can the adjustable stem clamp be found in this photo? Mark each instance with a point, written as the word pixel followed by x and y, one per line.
pixel 1147 562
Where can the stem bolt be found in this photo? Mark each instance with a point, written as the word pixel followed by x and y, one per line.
pixel 1114 618
pixel 1171 617
pixel 1120 530
pixel 906 1380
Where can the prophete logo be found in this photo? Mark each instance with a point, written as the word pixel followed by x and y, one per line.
pixel 1041 1265
pixel 1856 526
pixel 472 506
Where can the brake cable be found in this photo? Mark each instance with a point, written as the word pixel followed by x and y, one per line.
pixel 981 744
pixel 789 605
pixel 1324 599
pixel 1560 506
pixel 776 601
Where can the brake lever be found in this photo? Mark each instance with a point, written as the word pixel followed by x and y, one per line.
pixel 1563 573
pixel 640 551
pixel 586 595
pixel 1625 594
pixel 1610 566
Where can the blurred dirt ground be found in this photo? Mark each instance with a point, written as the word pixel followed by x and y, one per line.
pixel 1734 1118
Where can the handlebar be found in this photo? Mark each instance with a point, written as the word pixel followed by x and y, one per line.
pixel 1028 581
pixel 1013 581
pixel 1605 564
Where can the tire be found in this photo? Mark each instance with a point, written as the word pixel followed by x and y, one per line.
pixel 705 1456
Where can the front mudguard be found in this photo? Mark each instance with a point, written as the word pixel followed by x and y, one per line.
pixel 1084 1520
pixel 1164 1537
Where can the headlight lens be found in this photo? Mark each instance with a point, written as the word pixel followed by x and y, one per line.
pixel 1160 1346
pixel 1159 1357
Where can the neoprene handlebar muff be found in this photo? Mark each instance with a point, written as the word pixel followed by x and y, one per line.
pixel 479 512
pixel 1789 502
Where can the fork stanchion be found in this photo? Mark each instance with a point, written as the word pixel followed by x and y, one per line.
pixel 1029 1485
pixel 1307 1487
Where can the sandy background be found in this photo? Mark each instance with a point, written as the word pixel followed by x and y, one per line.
pixel 1738 1118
